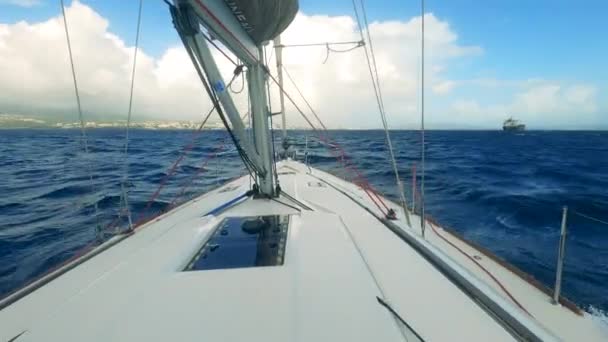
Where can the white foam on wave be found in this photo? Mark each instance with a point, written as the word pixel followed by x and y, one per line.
pixel 536 188
pixel 507 221
pixel 600 317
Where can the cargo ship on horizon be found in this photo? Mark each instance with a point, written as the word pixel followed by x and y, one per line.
pixel 513 125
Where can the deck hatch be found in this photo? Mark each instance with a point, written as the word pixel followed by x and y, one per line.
pixel 238 242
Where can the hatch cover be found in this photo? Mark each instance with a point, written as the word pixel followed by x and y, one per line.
pixel 237 242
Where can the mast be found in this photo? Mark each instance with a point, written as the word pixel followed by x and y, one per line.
pixel 256 77
pixel 228 24
pixel 279 57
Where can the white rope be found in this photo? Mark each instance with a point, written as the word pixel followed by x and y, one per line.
pixel 83 132
pixel 125 179
pixel 378 92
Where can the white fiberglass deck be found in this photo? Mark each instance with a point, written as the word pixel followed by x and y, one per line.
pixel 339 259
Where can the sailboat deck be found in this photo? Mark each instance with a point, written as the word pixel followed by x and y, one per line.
pixel 340 263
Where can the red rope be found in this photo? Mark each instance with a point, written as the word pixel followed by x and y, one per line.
pixel 203 7
pixel 172 170
pixel 369 186
pixel 414 187
pixel 432 223
pixel 504 289
pixel 141 219
pixel 200 170
pixel 364 184
pixel 82 251
pixel 362 181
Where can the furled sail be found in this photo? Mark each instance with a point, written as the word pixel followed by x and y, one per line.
pixel 263 20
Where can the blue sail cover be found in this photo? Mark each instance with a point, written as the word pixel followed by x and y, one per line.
pixel 263 20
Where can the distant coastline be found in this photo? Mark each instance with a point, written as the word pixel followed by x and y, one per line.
pixel 15 121
pixel 12 121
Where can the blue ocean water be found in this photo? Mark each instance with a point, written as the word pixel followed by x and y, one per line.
pixel 502 190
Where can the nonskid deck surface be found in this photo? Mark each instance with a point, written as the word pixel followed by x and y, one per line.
pixel 566 324
pixel 340 265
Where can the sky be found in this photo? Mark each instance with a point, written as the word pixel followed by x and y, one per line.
pixel 542 61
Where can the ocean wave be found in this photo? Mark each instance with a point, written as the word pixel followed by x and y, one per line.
pixel 600 317
pixel 66 191
pixel 505 192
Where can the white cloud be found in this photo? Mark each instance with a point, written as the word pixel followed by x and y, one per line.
pixel 582 96
pixel 539 99
pixel 37 80
pixel 443 87
pixel 36 77
pixel 540 104
pixel 553 98
pixel 467 107
pixel 21 3
pixel 341 89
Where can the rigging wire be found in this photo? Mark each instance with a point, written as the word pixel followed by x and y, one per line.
pixel 363 183
pixel 589 217
pixel 187 31
pixel 173 168
pixel 304 98
pixel 183 32
pixel 249 130
pixel 217 151
pixel 125 192
pixel 251 167
pixel 328 48
pixel 358 42
pixel 83 132
pixel 294 104
pixel 213 96
pixel 324 138
pixel 169 173
pixel 141 219
pixel 212 42
pixel 373 71
pixel 422 147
